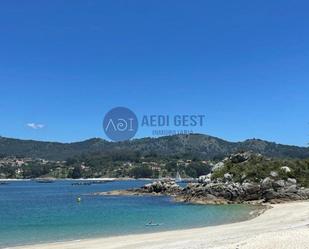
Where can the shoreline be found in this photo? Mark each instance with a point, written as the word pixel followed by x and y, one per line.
pixel 282 226
pixel 178 198
pixel 80 179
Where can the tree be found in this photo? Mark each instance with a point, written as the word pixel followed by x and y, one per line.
pixel 141 172
pixel 76 173
pixel 171 167
pixel 196 169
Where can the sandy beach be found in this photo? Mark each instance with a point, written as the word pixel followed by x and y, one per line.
pixel 283 226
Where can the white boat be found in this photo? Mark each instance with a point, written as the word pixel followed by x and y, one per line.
pixel 178 177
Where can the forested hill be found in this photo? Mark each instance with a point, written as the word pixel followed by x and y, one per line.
pixel 190 146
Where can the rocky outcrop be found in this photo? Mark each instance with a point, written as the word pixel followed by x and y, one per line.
pixel 268 190
pixel 226 189
pixel 162 187
pixel 223 192
pixel 235 180
pixel 239 157
pixel 215 191
pixel 205 179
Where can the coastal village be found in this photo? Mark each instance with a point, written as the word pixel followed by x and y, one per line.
pixel 24 168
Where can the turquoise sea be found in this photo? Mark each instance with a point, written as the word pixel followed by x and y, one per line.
pixel 32 212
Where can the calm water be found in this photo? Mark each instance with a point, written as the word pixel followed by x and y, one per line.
pixel 33 212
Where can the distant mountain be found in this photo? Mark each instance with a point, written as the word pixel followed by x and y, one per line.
pixel 194 145
pixel 49 150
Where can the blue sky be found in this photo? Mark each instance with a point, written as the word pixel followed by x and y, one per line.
pixel 244 64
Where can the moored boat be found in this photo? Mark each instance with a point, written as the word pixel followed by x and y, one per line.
pixel 44 180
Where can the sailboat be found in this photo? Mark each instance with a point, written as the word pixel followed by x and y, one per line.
pixel 178 177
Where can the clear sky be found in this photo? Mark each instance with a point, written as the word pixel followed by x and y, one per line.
pixel 244 64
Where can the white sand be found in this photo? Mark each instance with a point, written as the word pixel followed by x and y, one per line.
pixel 283 226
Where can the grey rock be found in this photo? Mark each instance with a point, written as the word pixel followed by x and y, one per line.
pixel 239 157
pixel 162 186
pixel 218 166
pixel 291 181
pixel 278 184
pixel 292 189
pixel 304 192
pixel 251 188
pixel 267 183
pixel 273 174
pixel 270 194
pixel 228 176
pixel 286 169
pixel 205 179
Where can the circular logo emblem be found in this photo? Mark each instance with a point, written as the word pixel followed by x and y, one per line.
pixel 120 124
